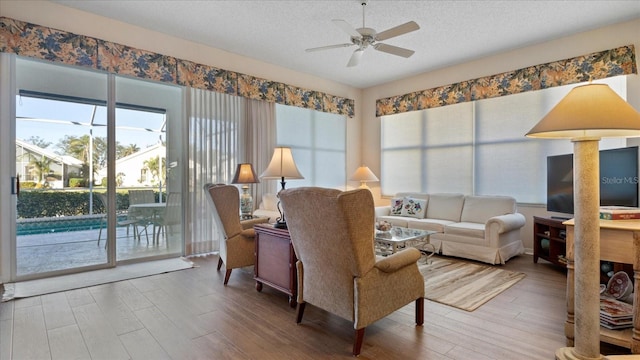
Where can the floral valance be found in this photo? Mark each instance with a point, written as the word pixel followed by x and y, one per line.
pixel 44 43
pixel 608 63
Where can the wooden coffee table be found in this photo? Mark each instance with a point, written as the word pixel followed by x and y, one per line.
pixel 398 238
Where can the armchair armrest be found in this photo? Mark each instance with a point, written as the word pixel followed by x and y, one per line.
pixel 398 260
pixel 248 223
pixel 382 210
pixel 505 223
pixel 250 233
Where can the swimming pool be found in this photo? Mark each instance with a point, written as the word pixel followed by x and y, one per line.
pixel 60 224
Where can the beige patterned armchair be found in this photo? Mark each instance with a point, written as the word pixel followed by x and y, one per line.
pixel 237 248
pixel 332 234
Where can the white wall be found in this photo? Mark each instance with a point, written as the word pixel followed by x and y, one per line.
pixel 363 131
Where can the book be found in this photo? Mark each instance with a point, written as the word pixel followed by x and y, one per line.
pixel 616 327
pixel 619 213
pixel 615 309
pixel 609 216
pixel 618 321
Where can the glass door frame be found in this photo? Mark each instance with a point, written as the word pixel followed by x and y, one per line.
pixel 8 196
pixel 8 202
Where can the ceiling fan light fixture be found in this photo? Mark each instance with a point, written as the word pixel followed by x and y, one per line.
pixel 364 36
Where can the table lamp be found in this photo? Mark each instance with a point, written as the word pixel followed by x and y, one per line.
pixel 586 114
pixel 245 175
pixel 364 175
pixel 281 167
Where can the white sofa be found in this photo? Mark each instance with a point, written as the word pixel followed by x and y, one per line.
pixel 483 228
pixel 268 207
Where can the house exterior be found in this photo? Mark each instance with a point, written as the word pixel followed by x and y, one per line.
pixel 61 167
pixel 133 170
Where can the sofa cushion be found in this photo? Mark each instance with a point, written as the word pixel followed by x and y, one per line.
pixel 428 224
pixel 479 209
pixel 445 206
pixel 269 202
pixel 468 229
pixel 414 207
pixel 396 206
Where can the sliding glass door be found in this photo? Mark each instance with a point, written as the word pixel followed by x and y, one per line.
pixel 147 174
pixel 94 191
pixel 60 146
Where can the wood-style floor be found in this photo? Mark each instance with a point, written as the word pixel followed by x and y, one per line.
pixel 189 314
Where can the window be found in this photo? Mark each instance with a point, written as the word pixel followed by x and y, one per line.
pixel 476 147
pixel 318 143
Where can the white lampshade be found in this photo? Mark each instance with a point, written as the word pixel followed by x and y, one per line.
pixel 592 110
pixel 282 165
pixel 364 175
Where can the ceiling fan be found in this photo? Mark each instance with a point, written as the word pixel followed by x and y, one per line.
pixel 364 37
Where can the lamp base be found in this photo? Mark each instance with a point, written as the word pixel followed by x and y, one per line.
pixel 246 203
pixel 280 225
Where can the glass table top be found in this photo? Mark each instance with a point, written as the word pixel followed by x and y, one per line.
pixel 400 234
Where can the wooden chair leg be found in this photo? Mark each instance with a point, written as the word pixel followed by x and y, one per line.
pixel 219 263
pixel 300 312
pixel 357 344
pixel 226 276
pixel 419 311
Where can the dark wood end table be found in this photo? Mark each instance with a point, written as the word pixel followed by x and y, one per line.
pixel 275 263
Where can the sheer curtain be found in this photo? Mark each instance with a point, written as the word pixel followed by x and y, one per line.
pixel 214 141
pixel 259 141
pixel 224 130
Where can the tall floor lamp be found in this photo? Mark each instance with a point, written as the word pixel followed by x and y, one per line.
pixel 281 167
pixel 586 114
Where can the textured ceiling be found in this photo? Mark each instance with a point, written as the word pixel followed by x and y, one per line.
pixel 278 32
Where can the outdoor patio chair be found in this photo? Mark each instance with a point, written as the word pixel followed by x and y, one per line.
pixel 103 221
pixel 170 219
pixel 145 219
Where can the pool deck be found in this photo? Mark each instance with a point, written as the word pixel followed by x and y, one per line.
pixel 39 253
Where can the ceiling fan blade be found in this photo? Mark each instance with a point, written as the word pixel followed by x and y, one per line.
pixel 329 47
pixel 355 58
pixel 394 50
pixel 397 31
pixel 346 28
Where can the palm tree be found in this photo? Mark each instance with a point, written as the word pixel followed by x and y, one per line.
pixel 127 150
pixel 78 147
pixel 41 167
pixel 152 165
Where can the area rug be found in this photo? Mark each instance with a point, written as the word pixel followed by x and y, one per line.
pixel 90 278
pixel 465 285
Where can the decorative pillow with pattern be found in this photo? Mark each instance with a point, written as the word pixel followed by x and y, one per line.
pixel 396 206
pixel 414 207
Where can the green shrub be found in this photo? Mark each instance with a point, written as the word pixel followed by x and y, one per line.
pixel 46 203
pixel 28 184
pixel 77 182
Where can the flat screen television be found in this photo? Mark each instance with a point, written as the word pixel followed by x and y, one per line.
pixel 618 179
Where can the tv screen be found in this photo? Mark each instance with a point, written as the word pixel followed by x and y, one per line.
pixel 618 179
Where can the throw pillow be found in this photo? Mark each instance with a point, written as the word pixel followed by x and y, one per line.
pixel 414 207
pixel 396 206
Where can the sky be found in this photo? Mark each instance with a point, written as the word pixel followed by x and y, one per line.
pixel 55 119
